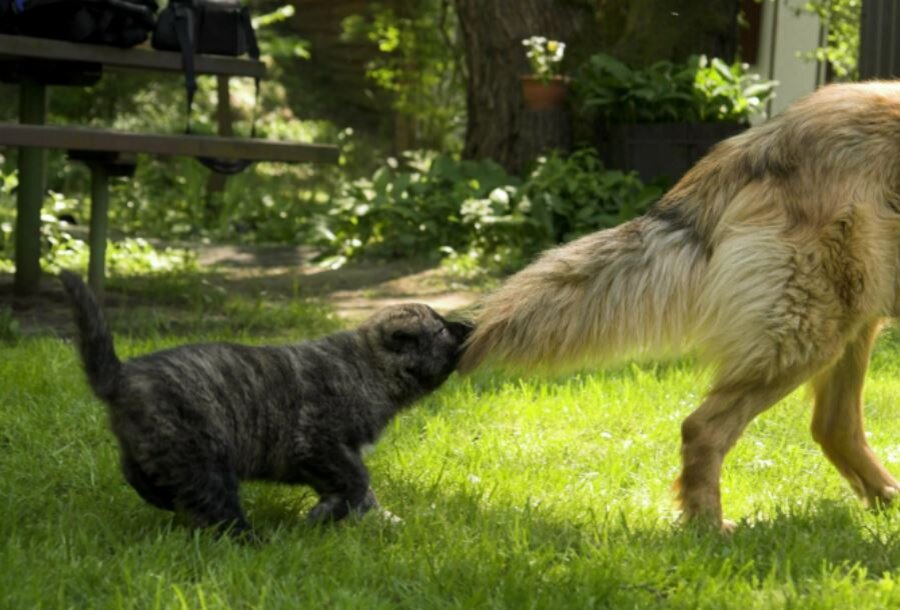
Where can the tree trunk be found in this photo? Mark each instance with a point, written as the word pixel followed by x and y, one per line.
pixel 637 31
pixel 492 33
pixel 679 29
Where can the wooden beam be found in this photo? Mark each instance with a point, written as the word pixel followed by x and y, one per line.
pixel 81 138
pixel 18 47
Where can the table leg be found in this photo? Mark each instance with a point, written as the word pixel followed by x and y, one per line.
pixel 216 182
pixel 99 221
pixel 32 182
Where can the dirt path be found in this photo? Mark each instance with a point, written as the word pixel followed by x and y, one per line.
pixel 355 290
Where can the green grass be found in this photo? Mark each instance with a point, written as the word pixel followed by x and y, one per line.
pixel 515 493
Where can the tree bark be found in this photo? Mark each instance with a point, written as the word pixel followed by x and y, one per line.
pixel 492 33
pixel 678 29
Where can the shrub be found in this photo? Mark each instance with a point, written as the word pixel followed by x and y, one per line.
pixel 409 207
pixel 60 249
pixel 437 206
pixel 576 195
pixel 696 91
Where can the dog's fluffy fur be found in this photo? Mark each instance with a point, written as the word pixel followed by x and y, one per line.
pixel 194 420
pixel 777 257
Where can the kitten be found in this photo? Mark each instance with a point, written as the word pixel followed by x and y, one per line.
pixel 194 420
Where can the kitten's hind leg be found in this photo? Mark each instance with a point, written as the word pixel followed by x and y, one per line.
pixel 208 493
pixel 160 496
pixel 341 479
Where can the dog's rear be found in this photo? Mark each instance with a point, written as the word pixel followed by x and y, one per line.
pixel 775 257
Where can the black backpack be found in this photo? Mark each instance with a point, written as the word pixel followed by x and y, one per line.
pixel 120 23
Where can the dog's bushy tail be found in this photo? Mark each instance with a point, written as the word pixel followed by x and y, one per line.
pixel 610 295
pixel 95 342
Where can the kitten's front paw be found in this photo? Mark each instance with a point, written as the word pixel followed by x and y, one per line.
pixel 335 508
pixel 327 510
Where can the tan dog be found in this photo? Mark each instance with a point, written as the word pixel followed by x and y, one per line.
pixel 777 257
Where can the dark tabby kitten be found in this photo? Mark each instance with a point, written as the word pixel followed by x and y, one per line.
pixel 194 420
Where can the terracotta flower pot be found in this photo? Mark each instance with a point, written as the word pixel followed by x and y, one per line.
pixel 541 95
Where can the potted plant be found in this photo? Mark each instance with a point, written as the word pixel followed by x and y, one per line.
pixel 544 89
pixel 660 120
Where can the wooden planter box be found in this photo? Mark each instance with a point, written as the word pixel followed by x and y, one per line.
pixel 660 150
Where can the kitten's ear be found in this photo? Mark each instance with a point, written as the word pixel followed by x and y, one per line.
pixel 461 330
pixel 400 340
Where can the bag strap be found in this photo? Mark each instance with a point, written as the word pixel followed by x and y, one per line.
pixel 231 167
pixel 184 29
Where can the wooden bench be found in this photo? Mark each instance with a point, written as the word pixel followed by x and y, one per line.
pixel 35 63
pixel 112 153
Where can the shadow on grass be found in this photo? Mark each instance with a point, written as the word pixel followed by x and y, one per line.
pixel 183 305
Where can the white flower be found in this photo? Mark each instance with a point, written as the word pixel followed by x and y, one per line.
pixel 543 54
pixel 499 196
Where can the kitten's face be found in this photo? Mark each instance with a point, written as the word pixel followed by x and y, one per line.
pixel 414 338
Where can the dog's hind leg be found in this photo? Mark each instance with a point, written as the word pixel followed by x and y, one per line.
pixel 707 435
pixel 837 423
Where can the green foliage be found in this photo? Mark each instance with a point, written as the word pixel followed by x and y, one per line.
pixel 433 204
pixel 61 248
pixel 699 90
pixel 9 326
pixel 841 49
pixel 576 195
pixel 418 60
pixel 274 43
pixel 410 209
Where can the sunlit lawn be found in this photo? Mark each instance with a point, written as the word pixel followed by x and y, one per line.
pixel 514 494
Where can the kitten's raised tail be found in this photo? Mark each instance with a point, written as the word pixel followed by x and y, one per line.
pixel 95 342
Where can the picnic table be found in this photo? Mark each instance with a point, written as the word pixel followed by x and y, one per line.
pixel 36 63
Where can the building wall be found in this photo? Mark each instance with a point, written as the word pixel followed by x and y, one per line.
pixel 784 35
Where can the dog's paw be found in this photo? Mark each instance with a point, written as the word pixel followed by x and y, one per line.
pixel 883 497
pixel 708 524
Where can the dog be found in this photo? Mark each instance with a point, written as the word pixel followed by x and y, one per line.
pixel 194 420
pixel 776 257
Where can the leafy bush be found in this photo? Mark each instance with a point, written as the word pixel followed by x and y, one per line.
pixel 419 62
pixel 61 249
pixel 841 44
pixel 697 91
pixel 435 205
pixel 576 195
pixel 409 209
